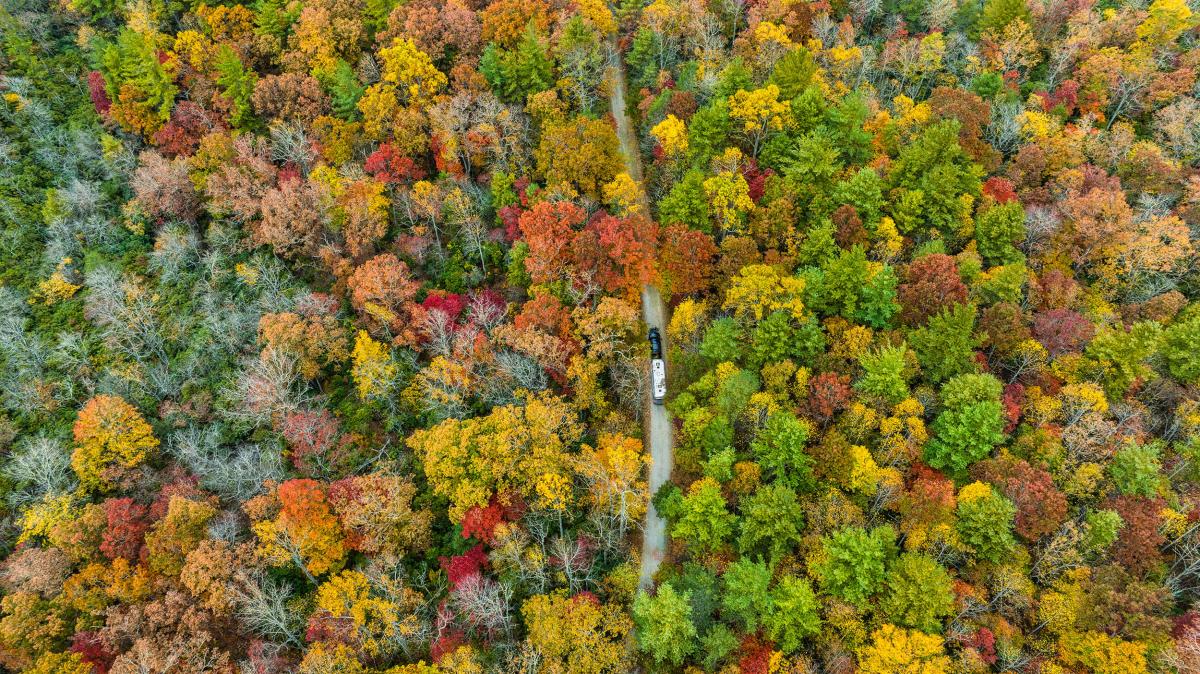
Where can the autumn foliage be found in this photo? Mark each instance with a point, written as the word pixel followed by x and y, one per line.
pixel 324 337
pixel 111 437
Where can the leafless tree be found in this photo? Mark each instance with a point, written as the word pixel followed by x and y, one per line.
pixel 509 151
pixel 1127 94
pixel 1041 223
pixel 438 329
pixel 228 526
pixel 1059 555
pixel 484 605
pixel 71 355
pixel 1184 655
pixel 276 286
pixel 126 315
pixel 463 215
pixel 26 356
pixel 1177 128
pixel 485 313
pixel 41 463
pixel 80 221
pixel 290 144
pixel 865 11
pixel 1004 131
pixel 368 69
pixel 939 13
pixel 231 326
pixel 1024 360
pixel 1061 62
pixel 885 496
pixel 518 371
pixel 1183 577
pixel 525 659
pixel 175 252
pixel 620 503
pixel 824 28
pixel 573 556
pixel 236 473
pixel 583 66
pixel 628 384
pixel 510 554
pixel 268 388
pixel 264 606
pixel 1011 657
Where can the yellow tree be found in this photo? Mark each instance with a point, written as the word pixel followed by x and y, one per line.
pixel 608 328
pixel 583 154
pixel 412 71
pixel 336 138
pixel 177 534
pixel 1168 20
pixel 760 112
pixel 512 449
pixel 110 436
pixel 61 663
pixel 49 516
pixel 322 658
pixel 325 32
pixel 374 372
pixel 761 289
pixel 443 388
pixel 687 324
pixel 376 624
pixel 1101 654
pixel 672 136
pixel 577 635
pixel 417 668
pixel 613 472
pixel 588 391
pixel 728 194
pixel 597 13
pixel 772 43
pixel 379 106
pixel 623 195
pixel 899 651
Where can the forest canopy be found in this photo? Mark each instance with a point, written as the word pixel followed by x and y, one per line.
pixel 323 336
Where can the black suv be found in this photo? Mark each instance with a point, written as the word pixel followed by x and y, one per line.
pixel 655 343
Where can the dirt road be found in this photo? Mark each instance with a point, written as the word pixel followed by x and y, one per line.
pixel 658 431
pixel 654 312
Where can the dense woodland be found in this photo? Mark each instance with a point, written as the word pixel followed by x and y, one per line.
pixel 321 348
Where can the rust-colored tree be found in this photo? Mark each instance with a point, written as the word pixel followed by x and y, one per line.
pixel 383 291
pixel 377 514
pixel 293 219
pixel 685 260
pixel 931 283
pixel 306 533
pixel 548 229
pixel 163 188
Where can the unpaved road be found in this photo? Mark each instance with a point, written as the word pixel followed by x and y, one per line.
pixel 654 312
pixel 658 427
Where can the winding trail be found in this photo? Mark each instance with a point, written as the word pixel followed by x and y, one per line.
pixel 654 313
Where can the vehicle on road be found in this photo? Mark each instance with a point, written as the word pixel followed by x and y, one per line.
pixel 655 340
pixel 658 368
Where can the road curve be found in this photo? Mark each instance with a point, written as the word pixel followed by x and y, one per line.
pixel 654 313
